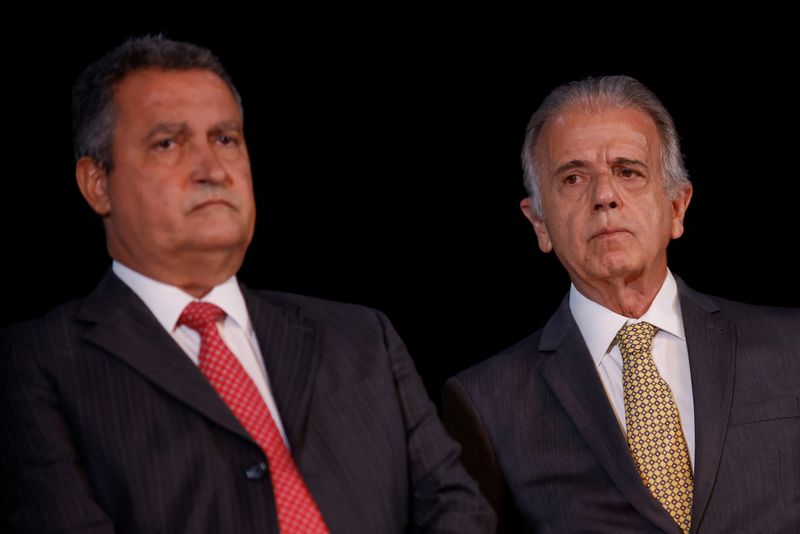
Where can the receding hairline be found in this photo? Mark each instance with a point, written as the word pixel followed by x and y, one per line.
pixel 236 123
pixel 149 69
pixel 93 93
pixel 577 109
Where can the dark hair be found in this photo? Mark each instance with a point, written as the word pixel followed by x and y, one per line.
pixel 93 110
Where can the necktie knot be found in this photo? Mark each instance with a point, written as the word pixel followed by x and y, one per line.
pixel 200 315
pixel 636 339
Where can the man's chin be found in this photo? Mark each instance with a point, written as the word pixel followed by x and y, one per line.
pixel 616 266
pixel 215 241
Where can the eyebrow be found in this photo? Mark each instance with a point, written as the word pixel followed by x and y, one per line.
pixel 630 162
pixel 581 164
pixel 167 127
pixel 179 127
pixel 226 126
pixel 568 166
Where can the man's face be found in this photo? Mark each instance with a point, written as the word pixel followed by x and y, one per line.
pixel 180 190
pixel 606 211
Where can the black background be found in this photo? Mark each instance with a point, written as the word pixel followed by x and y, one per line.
pixel 386 161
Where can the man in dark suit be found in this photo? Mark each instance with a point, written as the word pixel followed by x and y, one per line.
pixel 172 399
pixel 642 405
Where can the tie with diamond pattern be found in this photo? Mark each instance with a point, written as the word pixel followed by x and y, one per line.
pixel 653 425
pixel 297 511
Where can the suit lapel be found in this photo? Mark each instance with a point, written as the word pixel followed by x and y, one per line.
pixel 711 343
pixel 291 345
pixel 570 373
pixel 117 322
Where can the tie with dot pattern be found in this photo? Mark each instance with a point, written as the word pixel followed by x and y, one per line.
pixel 655 436
pixel 297 511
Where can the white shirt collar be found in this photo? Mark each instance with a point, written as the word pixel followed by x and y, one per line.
pixel 599 325
pixel 167 302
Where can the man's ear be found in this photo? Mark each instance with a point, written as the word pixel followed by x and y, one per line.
pixel 679 205
pixel 542 235
pixel 93 183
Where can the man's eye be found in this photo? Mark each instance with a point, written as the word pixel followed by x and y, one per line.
pixel 629 173
pixel 164 144
pixel 226 140
pixel 571 179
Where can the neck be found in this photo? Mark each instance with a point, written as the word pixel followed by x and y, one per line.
pixel 628 296
pixel 196 277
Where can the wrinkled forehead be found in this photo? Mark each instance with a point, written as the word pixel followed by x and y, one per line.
pixel 577 134
pixel 143 83
pixel 197 99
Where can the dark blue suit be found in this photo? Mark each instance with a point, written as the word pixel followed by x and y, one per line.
pixel 541 437
pixel 107 425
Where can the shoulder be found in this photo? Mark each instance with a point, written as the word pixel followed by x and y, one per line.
pixel 339 325
pixel 320 310
pixel 56 325
pixel 735 311
pixel 41 347
pixel 504 371
pixel 751 321
pixel 764 329
pixel 763 341
pixel 752 313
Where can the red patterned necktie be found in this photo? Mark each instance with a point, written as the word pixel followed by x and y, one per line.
pixel 297 511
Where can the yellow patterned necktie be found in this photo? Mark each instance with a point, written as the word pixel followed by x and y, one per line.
pixel 653 425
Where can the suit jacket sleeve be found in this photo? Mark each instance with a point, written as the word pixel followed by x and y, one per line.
pixel 443 497
pixel 465 425
pixel 44 487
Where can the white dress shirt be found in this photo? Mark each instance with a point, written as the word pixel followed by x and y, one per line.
pixel 167 302
pixel 599 327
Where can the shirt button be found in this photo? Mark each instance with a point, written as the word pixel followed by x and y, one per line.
pixel 257 471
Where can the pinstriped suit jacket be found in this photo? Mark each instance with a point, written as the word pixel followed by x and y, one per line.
pixel 108 426
pixel 541 437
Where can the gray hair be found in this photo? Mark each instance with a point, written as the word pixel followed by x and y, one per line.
pixel 594 95
pixel 93 108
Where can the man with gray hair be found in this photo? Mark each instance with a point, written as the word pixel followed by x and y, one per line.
pixel 642 405
pixel 173 399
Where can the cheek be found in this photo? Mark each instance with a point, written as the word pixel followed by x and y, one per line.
pixel 154 209
pixel 657 224
pixel 247 188
pixel 568 238
pixel 246 196
pixel 666 216
pixel 241 175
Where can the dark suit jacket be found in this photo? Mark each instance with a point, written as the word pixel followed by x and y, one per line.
pixel 540 435
pixel 106 424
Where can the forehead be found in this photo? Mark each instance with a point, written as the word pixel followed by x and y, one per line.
pixel 145 92
pixel 598 136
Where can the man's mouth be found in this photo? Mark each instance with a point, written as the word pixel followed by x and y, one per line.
pixel 213 202
pixel 611 232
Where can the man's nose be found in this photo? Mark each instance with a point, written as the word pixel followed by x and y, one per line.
pixel 208 168
pixel 605 194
